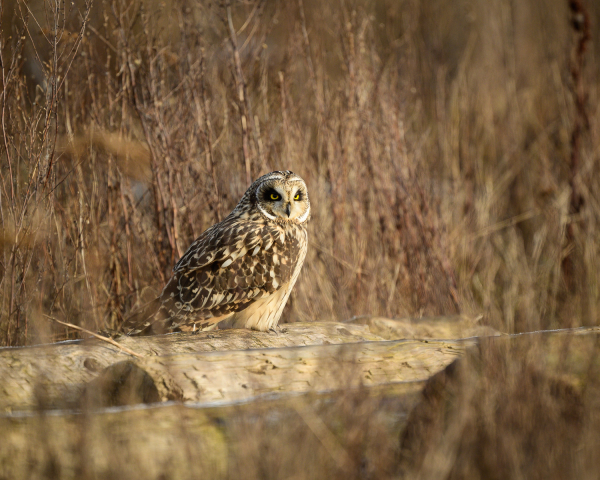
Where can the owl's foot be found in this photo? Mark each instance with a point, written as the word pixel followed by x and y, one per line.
pixel 274 331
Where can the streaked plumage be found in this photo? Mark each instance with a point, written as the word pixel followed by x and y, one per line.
pixel 239 273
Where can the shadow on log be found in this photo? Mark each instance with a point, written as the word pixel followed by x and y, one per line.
pixel 123 383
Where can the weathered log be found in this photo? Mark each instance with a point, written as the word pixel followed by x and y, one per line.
pixel 303 357
pixel 54 375
pixel 197 440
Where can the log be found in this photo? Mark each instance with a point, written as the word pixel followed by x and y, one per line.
pixel 55 375
pixel 214 367
pixel 235 437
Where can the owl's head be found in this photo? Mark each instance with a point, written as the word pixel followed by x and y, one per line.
pixel 282 197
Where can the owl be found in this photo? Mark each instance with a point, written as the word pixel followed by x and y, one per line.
pixel 239 273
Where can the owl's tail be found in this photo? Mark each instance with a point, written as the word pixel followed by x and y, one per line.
pixel 142 320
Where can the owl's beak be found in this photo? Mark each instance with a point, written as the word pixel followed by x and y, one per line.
pixel 288 209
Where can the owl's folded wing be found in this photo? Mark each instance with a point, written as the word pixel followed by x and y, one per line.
pixel 223 272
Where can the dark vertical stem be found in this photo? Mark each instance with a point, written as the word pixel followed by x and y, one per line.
pixel 241 90
pixel 210 159
pixel 580 22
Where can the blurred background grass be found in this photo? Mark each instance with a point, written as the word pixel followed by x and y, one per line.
pixel 435 138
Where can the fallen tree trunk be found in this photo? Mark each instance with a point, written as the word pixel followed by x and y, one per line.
pixel 210 367
pixel 241 438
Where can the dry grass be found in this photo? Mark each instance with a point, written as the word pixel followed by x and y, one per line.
pixel 525 408
pixel 450 149
pixel 436 143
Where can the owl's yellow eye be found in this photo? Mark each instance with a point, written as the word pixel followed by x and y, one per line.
pixel 275 196
pixel 297 196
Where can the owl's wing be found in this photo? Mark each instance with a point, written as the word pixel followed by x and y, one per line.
pixel 223 272
pixel 229 239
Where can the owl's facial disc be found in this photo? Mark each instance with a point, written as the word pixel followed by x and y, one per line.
pixel 287 202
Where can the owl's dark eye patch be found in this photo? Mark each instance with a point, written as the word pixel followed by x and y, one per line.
pixel 272 195
pixel 298 196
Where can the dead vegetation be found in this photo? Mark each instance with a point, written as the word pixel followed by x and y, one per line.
pixel 451 152
pixel 525 408
pixel 441 147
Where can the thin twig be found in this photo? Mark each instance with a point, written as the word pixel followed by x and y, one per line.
pixel 241 90
pixel 99 337
pixel 309 62
pixel 210 159
pixel 247 118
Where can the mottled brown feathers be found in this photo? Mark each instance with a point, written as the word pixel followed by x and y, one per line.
pixel 250 259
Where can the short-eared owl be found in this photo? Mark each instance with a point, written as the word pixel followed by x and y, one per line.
pixel 241 270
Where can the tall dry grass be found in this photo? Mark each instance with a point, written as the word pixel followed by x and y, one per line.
pixel 435 141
